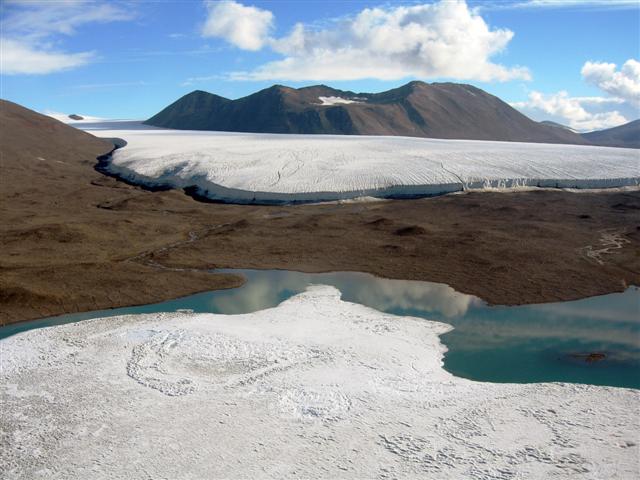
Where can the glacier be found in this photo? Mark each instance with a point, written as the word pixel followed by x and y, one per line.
pixel 313 388
pixel 279 168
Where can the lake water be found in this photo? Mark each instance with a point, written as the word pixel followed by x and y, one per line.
pixel 533 343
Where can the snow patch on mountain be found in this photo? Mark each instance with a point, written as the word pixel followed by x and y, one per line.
pixel 335 100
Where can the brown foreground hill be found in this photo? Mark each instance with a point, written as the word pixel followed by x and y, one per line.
pixel 74 240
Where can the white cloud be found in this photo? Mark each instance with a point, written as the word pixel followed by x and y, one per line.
pixel 29 29
pixel 623 83
pixel 445 39
pixel 556 4
pixel 203 79
pixel 37 19
pixel 245 27
pixel 592 113
pixel 572 111
pixel 21 58
pixel 578 3
pixel 598 100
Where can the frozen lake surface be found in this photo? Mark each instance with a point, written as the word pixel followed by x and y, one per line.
pixel 314 388
pixel 272 168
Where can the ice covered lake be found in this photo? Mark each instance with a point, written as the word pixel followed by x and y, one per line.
pixel 316 387
pixel 277 168
pixel 521 344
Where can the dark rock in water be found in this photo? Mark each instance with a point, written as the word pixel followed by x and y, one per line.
pixel 74 116
pixel 590 357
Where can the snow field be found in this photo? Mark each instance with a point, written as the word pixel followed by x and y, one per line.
pixel 243 167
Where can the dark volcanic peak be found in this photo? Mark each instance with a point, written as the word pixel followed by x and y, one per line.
pixel 419 109
pixel 627 135
pixel 189 112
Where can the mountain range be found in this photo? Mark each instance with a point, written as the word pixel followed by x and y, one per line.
pixel 417 109
pixel 627 135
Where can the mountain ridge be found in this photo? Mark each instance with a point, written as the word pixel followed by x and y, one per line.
pixel 626 135
pixel 417 109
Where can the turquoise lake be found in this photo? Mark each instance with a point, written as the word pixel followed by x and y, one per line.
pixel 533 343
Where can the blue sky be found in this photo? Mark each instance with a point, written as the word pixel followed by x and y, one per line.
pixel 571 61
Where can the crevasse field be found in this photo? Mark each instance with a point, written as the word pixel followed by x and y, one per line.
pixel 246 167
pixel 314 388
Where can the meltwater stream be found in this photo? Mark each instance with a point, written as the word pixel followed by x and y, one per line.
pixel 593 341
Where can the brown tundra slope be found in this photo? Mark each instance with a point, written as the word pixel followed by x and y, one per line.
pixel 75 240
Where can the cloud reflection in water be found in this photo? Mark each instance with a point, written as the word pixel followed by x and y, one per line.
pixel 265 289
pixel 520 343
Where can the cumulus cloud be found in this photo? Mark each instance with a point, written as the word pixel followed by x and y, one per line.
pixel 29 29
pixel 576 112
pixel 623 83
pixel 245 27
pixel 445 39
pixel 592 113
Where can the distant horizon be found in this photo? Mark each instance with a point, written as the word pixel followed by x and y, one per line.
pixel 572 62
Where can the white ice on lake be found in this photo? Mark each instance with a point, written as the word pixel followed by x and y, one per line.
pixel 314 388
pixel 245 167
